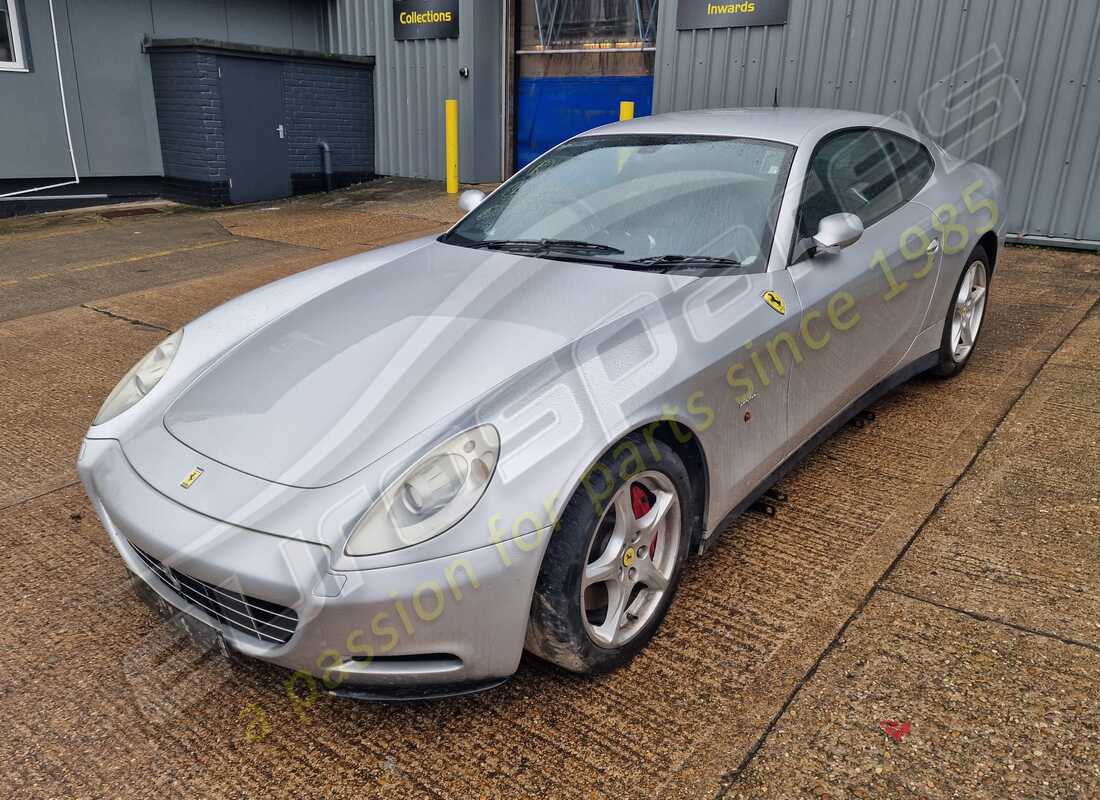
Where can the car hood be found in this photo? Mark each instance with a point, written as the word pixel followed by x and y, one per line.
pixel 326 389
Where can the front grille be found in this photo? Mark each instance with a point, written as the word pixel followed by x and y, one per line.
pixel 259 618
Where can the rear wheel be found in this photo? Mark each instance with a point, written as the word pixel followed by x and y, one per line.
pixel 965 316
pixel 614 562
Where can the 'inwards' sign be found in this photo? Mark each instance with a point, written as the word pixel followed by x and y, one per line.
pixel 693 14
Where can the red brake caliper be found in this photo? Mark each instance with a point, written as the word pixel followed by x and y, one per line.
pixel 640 504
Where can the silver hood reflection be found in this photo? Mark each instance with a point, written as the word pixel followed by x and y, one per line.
pixel 339 381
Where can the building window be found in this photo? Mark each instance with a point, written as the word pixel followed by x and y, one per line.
pixel 553 26
pixel 11 43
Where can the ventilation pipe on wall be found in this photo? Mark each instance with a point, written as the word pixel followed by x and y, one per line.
pixel 326 164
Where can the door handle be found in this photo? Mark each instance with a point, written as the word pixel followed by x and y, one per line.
pixel 933 246
pixel 279 129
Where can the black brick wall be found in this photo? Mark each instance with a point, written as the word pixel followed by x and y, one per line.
pixel 321 102
pixel 332 103
pixel 189 116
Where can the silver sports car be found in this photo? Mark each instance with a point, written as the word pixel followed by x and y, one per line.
pixel 395 472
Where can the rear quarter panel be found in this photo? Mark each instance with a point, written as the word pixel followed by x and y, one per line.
pixel 966 206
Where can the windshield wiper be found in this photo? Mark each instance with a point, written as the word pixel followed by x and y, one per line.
pixel 547 247
pixel 542 245
pixel 671 261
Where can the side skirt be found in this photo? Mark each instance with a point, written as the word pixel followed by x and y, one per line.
pixel 903 375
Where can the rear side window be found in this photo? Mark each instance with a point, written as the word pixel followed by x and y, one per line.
pixel 911 161
pixel 866 172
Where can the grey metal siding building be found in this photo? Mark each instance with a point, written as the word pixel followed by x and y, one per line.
pixel 1011 83
pixel 416 77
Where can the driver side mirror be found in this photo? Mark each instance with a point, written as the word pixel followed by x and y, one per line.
pixel 837 231
pixel 470 199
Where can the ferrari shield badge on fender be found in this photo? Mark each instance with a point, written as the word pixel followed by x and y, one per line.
pixel 192 476
pixel 775 301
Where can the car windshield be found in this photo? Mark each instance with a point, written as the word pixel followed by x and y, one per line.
pixel 652 200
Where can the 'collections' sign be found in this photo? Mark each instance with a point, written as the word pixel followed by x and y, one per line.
pixel 692 14
pixel 425 19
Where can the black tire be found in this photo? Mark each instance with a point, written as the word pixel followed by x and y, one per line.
pixel 556 631
pixel 948 366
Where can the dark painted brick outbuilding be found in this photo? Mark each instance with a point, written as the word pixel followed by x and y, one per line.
pixel 327 102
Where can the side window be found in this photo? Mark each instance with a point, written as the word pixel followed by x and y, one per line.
pixel 850 172
pixel 912 163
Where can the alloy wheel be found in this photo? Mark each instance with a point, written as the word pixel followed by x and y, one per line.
pixel 631 559
pixel 966 320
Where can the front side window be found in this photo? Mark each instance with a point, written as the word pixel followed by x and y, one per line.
pixel 11 44
pixel 869 173
pixel 644 199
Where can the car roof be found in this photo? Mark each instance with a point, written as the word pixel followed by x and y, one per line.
pixel 788 125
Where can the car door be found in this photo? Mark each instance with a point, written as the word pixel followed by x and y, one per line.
pixel 745 326
pixel 864 305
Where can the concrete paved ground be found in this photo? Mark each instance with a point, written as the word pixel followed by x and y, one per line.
pixel 984 637
pixel 937 568
pixel 53 261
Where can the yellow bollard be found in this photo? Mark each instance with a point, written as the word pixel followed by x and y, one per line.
pixel 451 129
pixel 626 111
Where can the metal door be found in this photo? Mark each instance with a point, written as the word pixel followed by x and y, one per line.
pixel 255 136
pixel 754 323
pixel 864 306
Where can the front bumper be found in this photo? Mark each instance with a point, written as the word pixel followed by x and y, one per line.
pixel 448 623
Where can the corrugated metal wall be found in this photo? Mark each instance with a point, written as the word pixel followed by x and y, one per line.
pixel 413 78
pixel 1011 83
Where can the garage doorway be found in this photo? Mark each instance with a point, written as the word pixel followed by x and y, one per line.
pixel 575 61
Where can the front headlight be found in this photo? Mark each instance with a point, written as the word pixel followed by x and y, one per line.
pixel 431 497
pixel 140 380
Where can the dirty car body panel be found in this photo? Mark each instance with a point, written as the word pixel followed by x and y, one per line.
pixel 234 485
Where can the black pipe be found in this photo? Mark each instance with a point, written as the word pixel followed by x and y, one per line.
pixel 326 164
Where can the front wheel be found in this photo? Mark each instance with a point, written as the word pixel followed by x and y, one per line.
pixel 965 316
pixel 614 562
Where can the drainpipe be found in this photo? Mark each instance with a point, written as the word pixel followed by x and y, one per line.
pixel 65 113
pixel 326 164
